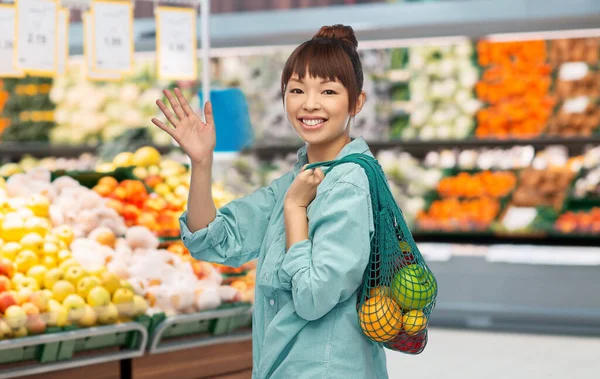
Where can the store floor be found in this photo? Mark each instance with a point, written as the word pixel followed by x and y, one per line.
pixel 468 354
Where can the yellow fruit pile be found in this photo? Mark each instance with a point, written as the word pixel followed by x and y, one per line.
pixel 41 284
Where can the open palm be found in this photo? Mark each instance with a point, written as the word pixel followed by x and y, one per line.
pixel 196 137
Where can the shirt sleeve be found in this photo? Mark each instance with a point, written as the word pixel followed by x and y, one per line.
pixel 235 236
pixel 328 268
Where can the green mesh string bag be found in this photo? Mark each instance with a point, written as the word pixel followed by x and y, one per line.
pixel 399 290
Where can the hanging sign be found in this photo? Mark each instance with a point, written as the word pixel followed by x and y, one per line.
pixel 90 73
pixel 7 42
pixel 63 41
pixel 36 40
pixel 176 44
pixel 112 36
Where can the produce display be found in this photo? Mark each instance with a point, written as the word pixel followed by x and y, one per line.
pixel 459 215
pixel 516 157
pixel 73 255
pixel 577 87
pixel 42 283
pixel 582 222
pixel 89 112
pixel 26 111
pixel 542 188
pixel 490 184
pixel 440 91
pixel 516 87
pixel 410 182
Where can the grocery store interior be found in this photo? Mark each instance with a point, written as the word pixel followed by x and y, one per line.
pixel 483 114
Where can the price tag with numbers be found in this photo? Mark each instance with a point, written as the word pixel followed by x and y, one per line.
pixel 7 42
pixel 63 41
pixel 176 43
pixel 36 40
pixel 90 73
pixel 112 36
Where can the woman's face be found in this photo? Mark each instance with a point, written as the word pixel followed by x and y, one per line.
pixel 317 109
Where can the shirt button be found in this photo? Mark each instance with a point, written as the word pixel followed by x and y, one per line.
pixel 272 302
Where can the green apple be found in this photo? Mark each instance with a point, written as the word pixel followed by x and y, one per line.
pixel 89 317
pixel 108 314
pixel 75 306
pixel 413 287
pixel 98 297
pixel 74 273
pixel 52 276
pixel 85 285
pixel 15 317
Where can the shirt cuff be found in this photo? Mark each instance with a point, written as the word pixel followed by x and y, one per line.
pixel 297 257
pixel 201 239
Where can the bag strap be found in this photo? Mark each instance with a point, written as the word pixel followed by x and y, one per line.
pixel 377 182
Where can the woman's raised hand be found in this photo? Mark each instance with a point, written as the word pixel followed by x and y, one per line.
pixel 196 137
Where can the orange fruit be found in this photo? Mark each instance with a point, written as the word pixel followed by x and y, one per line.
pixel 380 318
pixel 102 190
pixel 109 182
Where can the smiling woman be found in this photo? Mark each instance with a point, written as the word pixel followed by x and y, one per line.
pixel 311 233
pixel 321 86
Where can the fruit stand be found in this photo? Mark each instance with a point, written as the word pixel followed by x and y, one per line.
pixel 59 350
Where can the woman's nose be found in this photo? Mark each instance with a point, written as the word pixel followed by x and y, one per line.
pixel 312 103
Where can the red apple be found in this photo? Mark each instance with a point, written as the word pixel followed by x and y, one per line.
pixel 35 324
pixel 7 299
pixel 7 267
pixel 40 300
pixel 409 344
pixel 30 309
pixel 5 284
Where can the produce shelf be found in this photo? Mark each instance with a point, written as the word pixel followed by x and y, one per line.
pixel 201 329
pixel 58 351
pixel 502 291
pixel 420 148
pixel 472 18
pixel 16 150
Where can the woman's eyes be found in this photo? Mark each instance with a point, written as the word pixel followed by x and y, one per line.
pixel 326 92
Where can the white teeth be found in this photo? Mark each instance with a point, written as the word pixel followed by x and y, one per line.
pixel 313 122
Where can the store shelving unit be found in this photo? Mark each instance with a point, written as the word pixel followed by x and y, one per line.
pixel 189 325
pixel 420 148
pixel 56 350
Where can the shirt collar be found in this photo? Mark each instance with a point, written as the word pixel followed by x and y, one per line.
pixel 356 146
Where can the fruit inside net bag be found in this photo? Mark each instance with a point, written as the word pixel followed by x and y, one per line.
pixel 399 290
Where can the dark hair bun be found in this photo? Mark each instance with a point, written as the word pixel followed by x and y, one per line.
pixel 340 32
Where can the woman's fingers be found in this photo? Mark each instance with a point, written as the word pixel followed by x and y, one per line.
pixel 184 103
pixel 208 113
pixel 174 104
pixel 165 110
pixel 164 127
pixel 319 174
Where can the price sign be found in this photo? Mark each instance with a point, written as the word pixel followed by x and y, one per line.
pixel 90 73
pixel 112 36
pixel 37 29
pixel 63 41
pixel 7 42
pixel 176 45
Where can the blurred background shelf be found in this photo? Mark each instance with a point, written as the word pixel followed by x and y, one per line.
pixel 545 298
pixel 472 18
pixel 419 148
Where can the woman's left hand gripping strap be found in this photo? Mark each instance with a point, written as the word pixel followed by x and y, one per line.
pixel 327 269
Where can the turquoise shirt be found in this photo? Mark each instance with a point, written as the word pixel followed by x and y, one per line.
pixel 305 322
